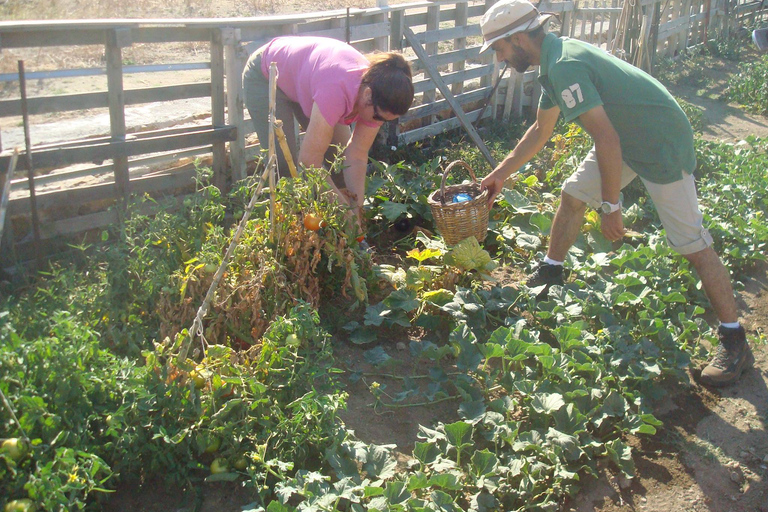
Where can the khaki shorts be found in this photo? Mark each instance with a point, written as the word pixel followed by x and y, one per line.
pixel 676 203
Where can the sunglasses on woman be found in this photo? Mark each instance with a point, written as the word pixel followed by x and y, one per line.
pixel 378 117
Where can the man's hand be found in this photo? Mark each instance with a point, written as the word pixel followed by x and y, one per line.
pixel 493 183
pixel 612 226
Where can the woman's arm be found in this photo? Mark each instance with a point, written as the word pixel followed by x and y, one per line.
pixel 356 162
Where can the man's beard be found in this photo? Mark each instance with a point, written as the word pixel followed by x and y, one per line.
pixel 519 61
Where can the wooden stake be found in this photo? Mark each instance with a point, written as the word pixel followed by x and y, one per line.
pixel 28 156
pixel 271 152
pixel 284 146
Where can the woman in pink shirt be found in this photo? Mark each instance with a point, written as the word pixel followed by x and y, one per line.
pixel 328 85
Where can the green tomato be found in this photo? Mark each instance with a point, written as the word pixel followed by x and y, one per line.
pixel 23 505
pixel 219 466
pixel 214 443
pixel 200 376
pixel 241 463
pixel 292 340
pixel 15 448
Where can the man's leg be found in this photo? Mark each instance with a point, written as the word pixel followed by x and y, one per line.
pixel 678 210
pixel 717 283
pixel 581 189
pixel 566 226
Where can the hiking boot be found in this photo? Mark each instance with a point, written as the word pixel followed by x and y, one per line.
pixel 732 357
pixel 545 274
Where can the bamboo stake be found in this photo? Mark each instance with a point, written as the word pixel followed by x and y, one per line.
pixel 271 154
pixel 284 146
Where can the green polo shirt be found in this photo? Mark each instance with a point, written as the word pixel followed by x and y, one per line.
pixel 656 137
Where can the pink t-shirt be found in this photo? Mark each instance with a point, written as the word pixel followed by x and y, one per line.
pixel 318 70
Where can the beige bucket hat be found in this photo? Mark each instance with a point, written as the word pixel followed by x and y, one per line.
pixel 760 38
pixel 508 17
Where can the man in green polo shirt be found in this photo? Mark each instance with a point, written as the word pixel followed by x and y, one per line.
pixel 638 130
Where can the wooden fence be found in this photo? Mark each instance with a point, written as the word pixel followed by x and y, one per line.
pixel 448 30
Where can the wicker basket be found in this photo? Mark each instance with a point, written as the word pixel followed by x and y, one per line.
pixel 457 221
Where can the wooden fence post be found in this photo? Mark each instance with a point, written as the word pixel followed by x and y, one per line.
pixel 116 40
pixel 433 23
pixel 235 63
pixel 654 37
pixel 381 43
pixel 396 30
pixel 217 109
pixel 462 12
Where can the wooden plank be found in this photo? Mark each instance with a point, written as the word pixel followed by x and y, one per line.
pixel 5 189
pixel 452 78
pixel 433 22
pixel 435 74
pixel 144 161
pixel 235 59
pixel 83 101
pixel 440 105
pixel 396 31
pixel 218 106
pixel 444 34
pixel 82 72
pixel 431 130
pixel 61 157
pixel 460 45
pixel 116 101
pixel 356 33
pixel 446 58
pixel 171 179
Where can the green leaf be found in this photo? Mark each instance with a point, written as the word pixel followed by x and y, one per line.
pixel 518 202
pixel 377 357
pixel 472 411
pixel 417 481
pixel 542 222
pixel 614 405
pixel 484 463
pixel 222 477
pixel 468 255
pixel 621 455
pixel 396 492
pixel 528 242
pixel 424 254
pixel 450 481
pixel 459 434
pixel 444 502
pixel 392 211
pixel 426 453
pixel 380 464
pixel 439 297
pixel 547 403
pixel 403 299
pixel 363 336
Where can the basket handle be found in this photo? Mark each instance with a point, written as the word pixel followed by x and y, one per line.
pixel 447 170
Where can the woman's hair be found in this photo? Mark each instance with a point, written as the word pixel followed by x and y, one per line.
pixel 389 77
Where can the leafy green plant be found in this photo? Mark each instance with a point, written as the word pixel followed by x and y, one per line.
pixel 749 87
